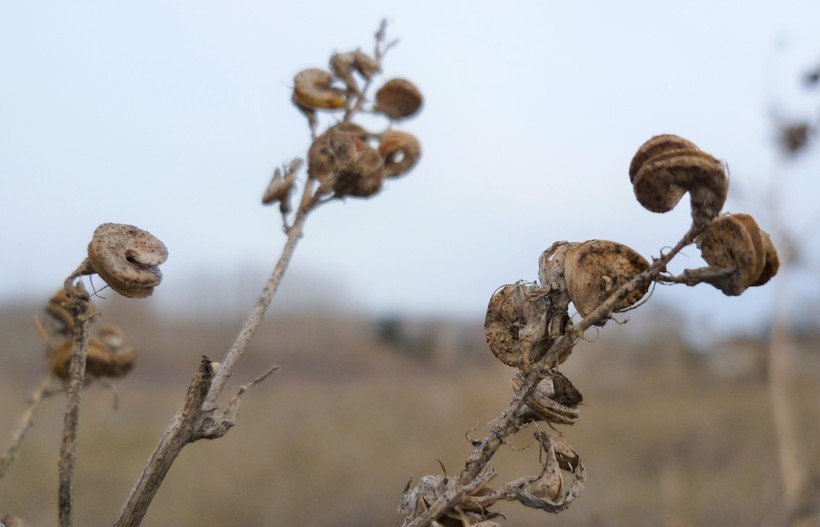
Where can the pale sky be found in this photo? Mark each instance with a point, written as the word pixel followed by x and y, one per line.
pixel 172 116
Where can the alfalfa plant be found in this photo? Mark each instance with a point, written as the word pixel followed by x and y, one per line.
pixel 344 160
pixel 528 327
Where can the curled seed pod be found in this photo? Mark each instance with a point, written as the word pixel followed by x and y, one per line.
pixel 127 258
pixel 398 98
pixel 400 151
pixel 554 400
pixel 313 89
pixel 667 166
pixel 61 315
pixel 109 355
pixel 734 241
pixel 516 324
pixel 595 269
pixel 344 64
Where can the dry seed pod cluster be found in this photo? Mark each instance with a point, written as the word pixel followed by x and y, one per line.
pixel 127 258
pixel 347 160
pixel 109 352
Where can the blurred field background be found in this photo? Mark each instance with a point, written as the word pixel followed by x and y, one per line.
pixel 672 432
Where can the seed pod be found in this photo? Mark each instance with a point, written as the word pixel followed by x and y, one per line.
pixel 400 151
pixel 668 166
pixel 736 242
pixel 313 89
pixel 362 176
pixel 398 98
pixel 554 400
pixel 61 315
pixel 344 64
pixel 109 355
pixel 7 520
pixel 321 159
pixel 127 258
pixel 596 268
pixel 516 324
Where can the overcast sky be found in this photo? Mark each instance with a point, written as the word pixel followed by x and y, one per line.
pixel 172 116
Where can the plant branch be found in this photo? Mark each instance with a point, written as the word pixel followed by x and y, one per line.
pixel 78 305
pixel 179 433
pixel 26 421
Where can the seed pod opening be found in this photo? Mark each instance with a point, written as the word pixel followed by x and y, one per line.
pixel 400 151
pixel 127 258
pixel 597 268
pixel 667 166
pixel 313 89
pixel 735 241
pixel 398 98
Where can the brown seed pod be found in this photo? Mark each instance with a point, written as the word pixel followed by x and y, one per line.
pixel 322 160
pixel 554 400
pixel 344 64
pixel 516 324
pixel 596 268
pixel 362 176
pixel 313 89
pixel 398 98
pixel 7 520
pixel 343 162
pixel 61 315
pixel 109 355
pixel 127 258
pixel 400 151
pixel 667 166
pixel 734 241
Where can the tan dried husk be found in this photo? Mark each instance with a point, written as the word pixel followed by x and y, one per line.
pixel 516 323
pixel 398 98
pixel 127 258
pixel 555 399
pixel 326 162
pixel 666 167
pixel 400 151
pixel 597 268
pixel 344 64
pixel 61 315
pixel 313 89
pixel 735 241
pixel 109 355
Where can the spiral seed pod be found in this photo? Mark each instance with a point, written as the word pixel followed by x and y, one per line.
pixel 61 315
pixel 668 166
pixel 313 89
pixel 398 98
pixel 400 151
pixel 516 324
pixel 554 400
pixel 127 258
pixel 736 242
pixel 596 268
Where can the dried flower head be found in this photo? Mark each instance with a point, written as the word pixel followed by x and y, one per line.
pixel 127 258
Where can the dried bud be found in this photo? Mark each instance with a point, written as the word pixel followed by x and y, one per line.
pixel 736 242
pixel 595 269
pixel 668 166
pixel 793 138
pixel 313 89
pixel 280 187
pixel 400 151
pixel 398 98
pixel 127 258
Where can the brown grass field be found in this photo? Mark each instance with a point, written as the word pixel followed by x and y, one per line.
pixel 333 438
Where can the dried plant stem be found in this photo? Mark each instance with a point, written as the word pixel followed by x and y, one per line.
pixel 178 434
pixel 508 423
pixel 199 417
pixel 78 304
pixel 26 421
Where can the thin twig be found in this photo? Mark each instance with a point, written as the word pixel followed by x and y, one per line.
pixel 508 423
pixel 26 421
pixel 78 304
